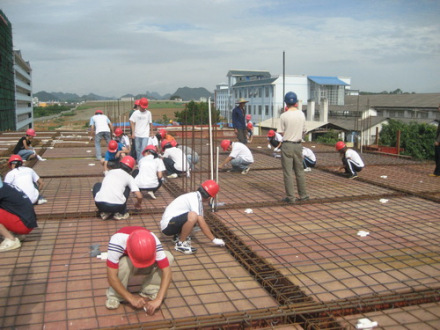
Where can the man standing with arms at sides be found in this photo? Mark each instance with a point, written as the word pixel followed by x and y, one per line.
pixel 239 121
pixel 102 128
pixel 293 127
pixel 141 125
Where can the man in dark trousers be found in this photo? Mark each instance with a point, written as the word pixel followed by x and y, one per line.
pixel 437 152
pixel 239 121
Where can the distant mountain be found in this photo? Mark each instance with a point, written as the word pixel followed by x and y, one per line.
pixel 192 94
pixel 185 93
pixel 68 97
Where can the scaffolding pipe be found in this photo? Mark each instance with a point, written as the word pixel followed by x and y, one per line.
pixel 211 152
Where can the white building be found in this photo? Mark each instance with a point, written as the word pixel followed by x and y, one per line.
pixel 24 110
pixel 265 93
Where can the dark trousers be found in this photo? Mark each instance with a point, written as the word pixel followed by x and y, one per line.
pixel 437 160
pixel 350 166
pixel 109 207
pixel 169 165
pixel 242 135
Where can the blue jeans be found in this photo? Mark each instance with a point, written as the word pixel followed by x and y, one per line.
pixel 25 153
pixel 140 144
pixel 239 164
pixel 98 137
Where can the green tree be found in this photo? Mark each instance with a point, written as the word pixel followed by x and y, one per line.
pixel 197 113
pixel 330 137
pixel 416 139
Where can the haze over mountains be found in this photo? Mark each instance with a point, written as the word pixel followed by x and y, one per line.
pixel 185 93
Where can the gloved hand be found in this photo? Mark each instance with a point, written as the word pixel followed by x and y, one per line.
pixel 276 149
pixel 218 241
pixel 269 146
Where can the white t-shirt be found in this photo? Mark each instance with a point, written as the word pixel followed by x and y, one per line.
pixel 113 187
pixel 354 156
pixel 239 150
pixel 148 169
pixel 101 123
pixel 125 140
pixel 306 152
pixel 23 178
pixel 179 158
pixel 188 202
pixel 142 121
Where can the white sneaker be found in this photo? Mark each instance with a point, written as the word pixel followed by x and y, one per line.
pixel 246 170
pixel 119 216
pixel 112 303
pixel 42 201
pixel 307 169
pixel 151 194
pixel 105 215
pixel 172 176
pixel 218 241
pixel 9 244
pixel 184 247
pixel 41 158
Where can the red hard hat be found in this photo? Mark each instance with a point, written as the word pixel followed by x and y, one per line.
pixel 249 125
pixel 163 133
pixel 248 117
pixel 173 143
pixel 211 187
pixel 129 161
pixel 141 248
pixel 136 102
pixel 165 144
pixel 30 132
pixel 143 102
pixel 15 158
pixel 98 111
pixel 113 146
pixel 225 144
pixel 340 145
pixel 118 131
pixel 271 133
pixel 151 148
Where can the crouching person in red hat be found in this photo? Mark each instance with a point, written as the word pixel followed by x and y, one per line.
pixel 111 195
pixel 137 251
pixel 17 216
pixel 186 211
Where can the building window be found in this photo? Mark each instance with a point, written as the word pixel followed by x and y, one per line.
pixel 260 110
pixel 266 110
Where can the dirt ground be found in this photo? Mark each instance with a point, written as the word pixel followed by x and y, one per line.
pixel 81 118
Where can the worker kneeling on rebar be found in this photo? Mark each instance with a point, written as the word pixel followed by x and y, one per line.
pixel 185 212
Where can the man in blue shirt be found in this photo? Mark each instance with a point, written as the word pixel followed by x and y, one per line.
pixel 239 120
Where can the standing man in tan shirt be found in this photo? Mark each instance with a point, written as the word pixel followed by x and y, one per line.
pixel 293 127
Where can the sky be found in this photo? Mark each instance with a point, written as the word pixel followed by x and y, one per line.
pixel 117 47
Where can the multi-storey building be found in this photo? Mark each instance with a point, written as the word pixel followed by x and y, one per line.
pixel 23 93
pixel 265 92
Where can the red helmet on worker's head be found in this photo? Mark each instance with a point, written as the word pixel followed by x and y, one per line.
pixel 30 132
pixel 248 117
pixel 141 248
pixel 118 131
pixel 163 133
pixel 165 144
pixel 249 125
pixel 271 133
pixel 340 145
pixel 211 187
pixel 98 112
pixel 225 144
pixel 173 143
pixel 15 159
pixel 143 102
pixel 129 161
pixel 113 146
pixel 136 102
pixel 150 148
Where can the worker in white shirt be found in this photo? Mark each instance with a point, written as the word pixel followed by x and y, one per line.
pixel 309 159
pixel 240 156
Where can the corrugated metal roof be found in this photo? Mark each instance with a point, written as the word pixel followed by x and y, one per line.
pixel 430 100
pixel 255 82
pixel 248 73
pixel 320 80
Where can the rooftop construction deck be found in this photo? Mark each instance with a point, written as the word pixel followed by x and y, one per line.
pixel 300 266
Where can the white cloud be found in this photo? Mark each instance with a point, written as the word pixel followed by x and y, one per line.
pixel 113 47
